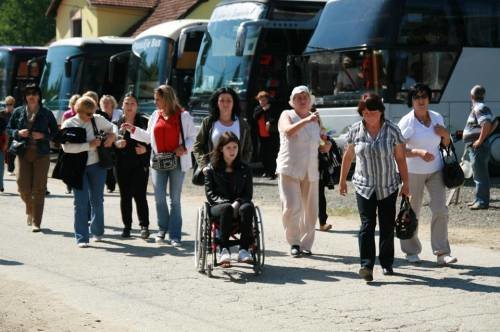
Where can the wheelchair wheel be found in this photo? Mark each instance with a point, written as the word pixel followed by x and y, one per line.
pixel 259 250
pixel 200 244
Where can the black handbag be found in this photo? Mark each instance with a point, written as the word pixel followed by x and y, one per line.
pixel 406 221
pixel 453 175
pixel 198 178
pixel 18 147
pixel 329 165
pixel 164 161
pixel 106 155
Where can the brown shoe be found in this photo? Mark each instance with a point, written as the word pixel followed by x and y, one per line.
pixel 325 227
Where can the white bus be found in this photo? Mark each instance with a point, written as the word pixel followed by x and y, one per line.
pixel 76 65
pixel 387 45
pixel 163 54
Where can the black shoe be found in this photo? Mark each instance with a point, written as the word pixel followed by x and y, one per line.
pixel 126 232
pixel 1 190
pixel 144 232
pixel 47 193
pixel 366 273
pixel 272 177
pixel 295 251
pixel 306 252
pixel 388 271
pixel 110 191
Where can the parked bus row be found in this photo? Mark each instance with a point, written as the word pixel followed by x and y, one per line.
pixel 338 48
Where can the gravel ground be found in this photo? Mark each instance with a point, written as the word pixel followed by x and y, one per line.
pixel 266 192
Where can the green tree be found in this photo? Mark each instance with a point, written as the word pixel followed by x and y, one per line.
pixel 23 22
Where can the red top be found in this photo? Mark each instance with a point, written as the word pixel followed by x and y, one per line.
pixel 167 133
pixel 263 132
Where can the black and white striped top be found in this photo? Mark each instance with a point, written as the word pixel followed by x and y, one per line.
pixel 376 169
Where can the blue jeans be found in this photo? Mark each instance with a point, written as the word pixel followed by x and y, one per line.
pixel 2 159
pixel 479 159
pixel 169 216
pixel 92 191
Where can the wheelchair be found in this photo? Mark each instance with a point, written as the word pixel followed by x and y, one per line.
pixel 207 241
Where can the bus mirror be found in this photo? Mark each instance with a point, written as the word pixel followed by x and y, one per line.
pixel 241 36
pixel 184 35
pixel 67 67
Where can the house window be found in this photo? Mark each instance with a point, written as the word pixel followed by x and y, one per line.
pixel 76 23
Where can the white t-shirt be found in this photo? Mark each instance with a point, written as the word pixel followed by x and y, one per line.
pixel 220 129
pixel 419 136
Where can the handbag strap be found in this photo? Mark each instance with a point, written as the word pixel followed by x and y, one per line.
pixel 94 125
pixel 182 130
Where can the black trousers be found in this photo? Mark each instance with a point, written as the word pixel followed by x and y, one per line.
pixel 269 147
pixel 110 180
pixel 11 161
pixel 133 184
pixel 368 209
pixel 322 215
pixel 224 212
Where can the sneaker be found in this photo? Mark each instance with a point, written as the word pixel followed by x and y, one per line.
pixel 11 173
pixel 478 206
pixel 295 251
pixel 469 204
pixel 387 271
pixel 413 258
pixel 35 229
pixel 306 252
pixel 29 220
pixel 225 256
pixel 83 245
pixel 244 256
pixel 144 232
pixel 97 238
pixel 325 227
pixel 126 232
pixel 176 243
pixel 366 274
pixel 160 237
pixel 446 260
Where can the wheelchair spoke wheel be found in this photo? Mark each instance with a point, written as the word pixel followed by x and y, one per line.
pixel 200 247
pixel 259 251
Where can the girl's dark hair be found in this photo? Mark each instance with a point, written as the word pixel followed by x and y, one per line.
pixel 32 87
pixel 371 101
pixel 214 107
pixel 130 94
pixel 415 90
pixel 217 158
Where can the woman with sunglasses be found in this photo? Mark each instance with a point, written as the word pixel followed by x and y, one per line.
pixel 132 168
pixel 424 131
pixel 34 125
pixel 379 149
pixel 88 182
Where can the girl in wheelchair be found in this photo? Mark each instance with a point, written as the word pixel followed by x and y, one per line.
pixel 229 190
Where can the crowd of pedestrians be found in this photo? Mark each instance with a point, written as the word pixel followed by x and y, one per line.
pixel 391 160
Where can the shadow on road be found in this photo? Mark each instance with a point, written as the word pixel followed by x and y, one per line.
pixel 10 263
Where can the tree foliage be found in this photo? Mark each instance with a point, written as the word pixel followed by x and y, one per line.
pixel 23 22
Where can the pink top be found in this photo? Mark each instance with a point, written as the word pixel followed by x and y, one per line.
pixel 69 114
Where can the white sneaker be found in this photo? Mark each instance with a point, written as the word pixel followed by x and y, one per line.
pixel 413 258
pixel 35 229
pixel 160 237
pixel 97 238
pixel 11 173
pixel 29 220
pixel 83 245
pixel 446 259
pixel 244 256
pixel 225 256
pixel 176 243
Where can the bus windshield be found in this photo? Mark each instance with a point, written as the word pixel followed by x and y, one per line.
pixel 217 64
pixel 56 87
pixel 340 78
pixel 148 67
pixel 5 73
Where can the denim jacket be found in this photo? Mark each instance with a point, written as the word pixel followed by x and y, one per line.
pixel 45 123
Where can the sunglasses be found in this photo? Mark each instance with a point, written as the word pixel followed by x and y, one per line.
pixel 422 96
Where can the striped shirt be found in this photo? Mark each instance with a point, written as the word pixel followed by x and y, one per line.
pixel 376 169
pixel 479 114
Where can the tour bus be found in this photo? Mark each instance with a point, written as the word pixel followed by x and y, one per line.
pixel 246 46
pixel 387 45
pixel 19 65
pixel 76 65
pixel 163 54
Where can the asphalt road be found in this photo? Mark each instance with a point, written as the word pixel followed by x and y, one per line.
pixel 47 283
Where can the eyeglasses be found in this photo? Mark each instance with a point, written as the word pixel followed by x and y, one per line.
pixel 422 96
